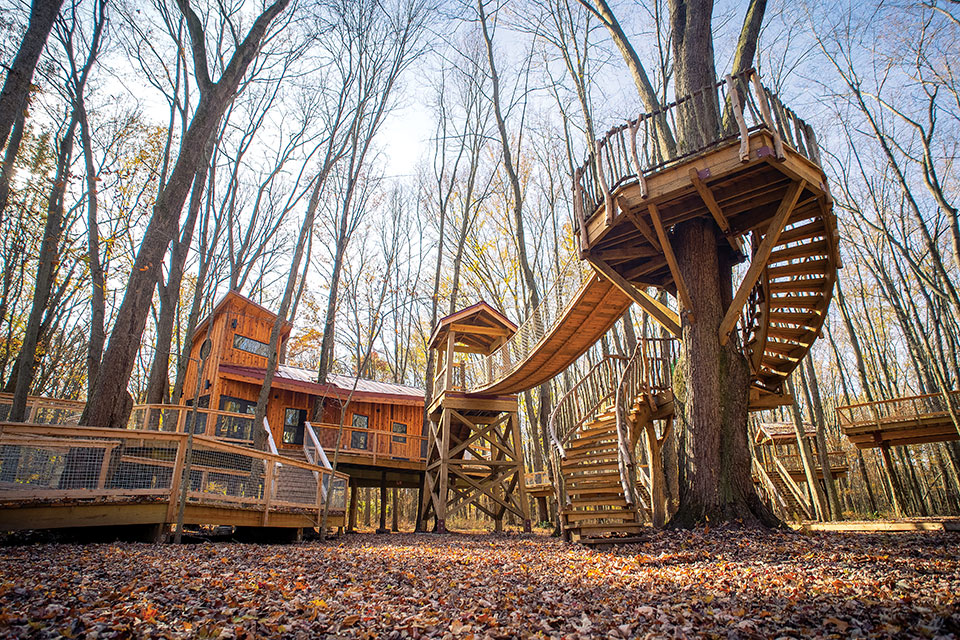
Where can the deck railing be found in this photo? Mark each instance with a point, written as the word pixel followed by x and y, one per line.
pixel 377 445
pixel 713 116
pixel 44 410
pixel 793 463
pixel 646 374
pixel 49 463
pixel 917 409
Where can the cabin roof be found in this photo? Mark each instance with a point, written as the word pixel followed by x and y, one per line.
pixel 480 315
pixel 782 431
pixel 250 308
pixel 338 386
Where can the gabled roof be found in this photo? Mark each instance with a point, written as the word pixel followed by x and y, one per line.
pixel 338 386
pixel 782 432
pixel 490 327
pixel 252 308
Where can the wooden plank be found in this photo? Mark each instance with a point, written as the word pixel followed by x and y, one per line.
pixel 643 228
pixel 662 315
pixel 671 258
pixel 759 261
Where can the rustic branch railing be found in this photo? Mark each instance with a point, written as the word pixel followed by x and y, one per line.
pixel 647 373
pixel 43 462
pixel 721 113
pixel 588 398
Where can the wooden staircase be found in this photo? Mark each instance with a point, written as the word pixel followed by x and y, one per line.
pixel 789 303
pixel 597 509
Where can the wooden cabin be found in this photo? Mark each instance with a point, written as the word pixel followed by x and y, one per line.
pixel 777 442
pixel 382 422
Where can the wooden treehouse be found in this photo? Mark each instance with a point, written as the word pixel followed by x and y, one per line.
pixel 756 175
pixel 780 472
pixel 474 453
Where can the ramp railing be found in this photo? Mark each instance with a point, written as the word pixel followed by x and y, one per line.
pixel 483 372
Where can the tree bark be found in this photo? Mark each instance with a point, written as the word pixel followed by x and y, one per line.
pixel 712 394
pixel 16 86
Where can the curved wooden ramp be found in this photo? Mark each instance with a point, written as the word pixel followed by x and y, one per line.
pixel 537 353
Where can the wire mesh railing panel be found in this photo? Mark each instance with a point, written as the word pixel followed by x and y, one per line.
pixel 44 466
pixel 42 410
pixel 88 463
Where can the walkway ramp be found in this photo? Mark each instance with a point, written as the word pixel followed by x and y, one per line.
pixel 558 332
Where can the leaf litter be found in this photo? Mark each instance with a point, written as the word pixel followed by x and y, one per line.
pixel 711 584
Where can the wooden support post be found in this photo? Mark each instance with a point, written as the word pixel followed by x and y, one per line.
pixel 383 503
pixel 658 498
pixel 662 315
pixel 521 488
pixel 671 258
pixel 352 517
pixel 268 481
pixel 395 510
pixel 759 261
pixel 543 514
pixel 440 506
pixel 176 477
pixel 418 527
pixel 448 371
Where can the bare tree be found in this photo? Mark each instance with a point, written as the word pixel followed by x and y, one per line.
pixel 107 404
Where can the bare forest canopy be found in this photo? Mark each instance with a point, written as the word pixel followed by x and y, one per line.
pixel 365 168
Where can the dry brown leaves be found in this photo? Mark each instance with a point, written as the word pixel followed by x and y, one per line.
pixel 716 584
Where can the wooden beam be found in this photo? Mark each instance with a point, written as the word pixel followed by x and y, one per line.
pixel 478 330
pixel 682 292
pixel 707 196
pixel 662 315
pixel 642 227
pixel 759 261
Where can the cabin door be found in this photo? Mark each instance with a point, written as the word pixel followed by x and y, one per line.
pixel 293 420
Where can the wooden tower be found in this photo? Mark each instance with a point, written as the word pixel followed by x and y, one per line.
pixel 474 453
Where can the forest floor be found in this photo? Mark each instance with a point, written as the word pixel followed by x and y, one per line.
pixel 689 584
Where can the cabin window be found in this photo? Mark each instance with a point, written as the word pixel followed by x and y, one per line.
pixel 250 345
pixel 235 427
pixel 358 439
pixel 399 427
pixel 293 420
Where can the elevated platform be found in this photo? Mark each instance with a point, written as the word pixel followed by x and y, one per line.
pixel 59 476
pixel 899 421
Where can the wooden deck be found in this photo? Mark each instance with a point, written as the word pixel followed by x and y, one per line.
pixel 57 476
pixel 899 421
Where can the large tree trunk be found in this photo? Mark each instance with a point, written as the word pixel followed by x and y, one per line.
pixel 712 391
pixel 16 86
pixel 106 406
